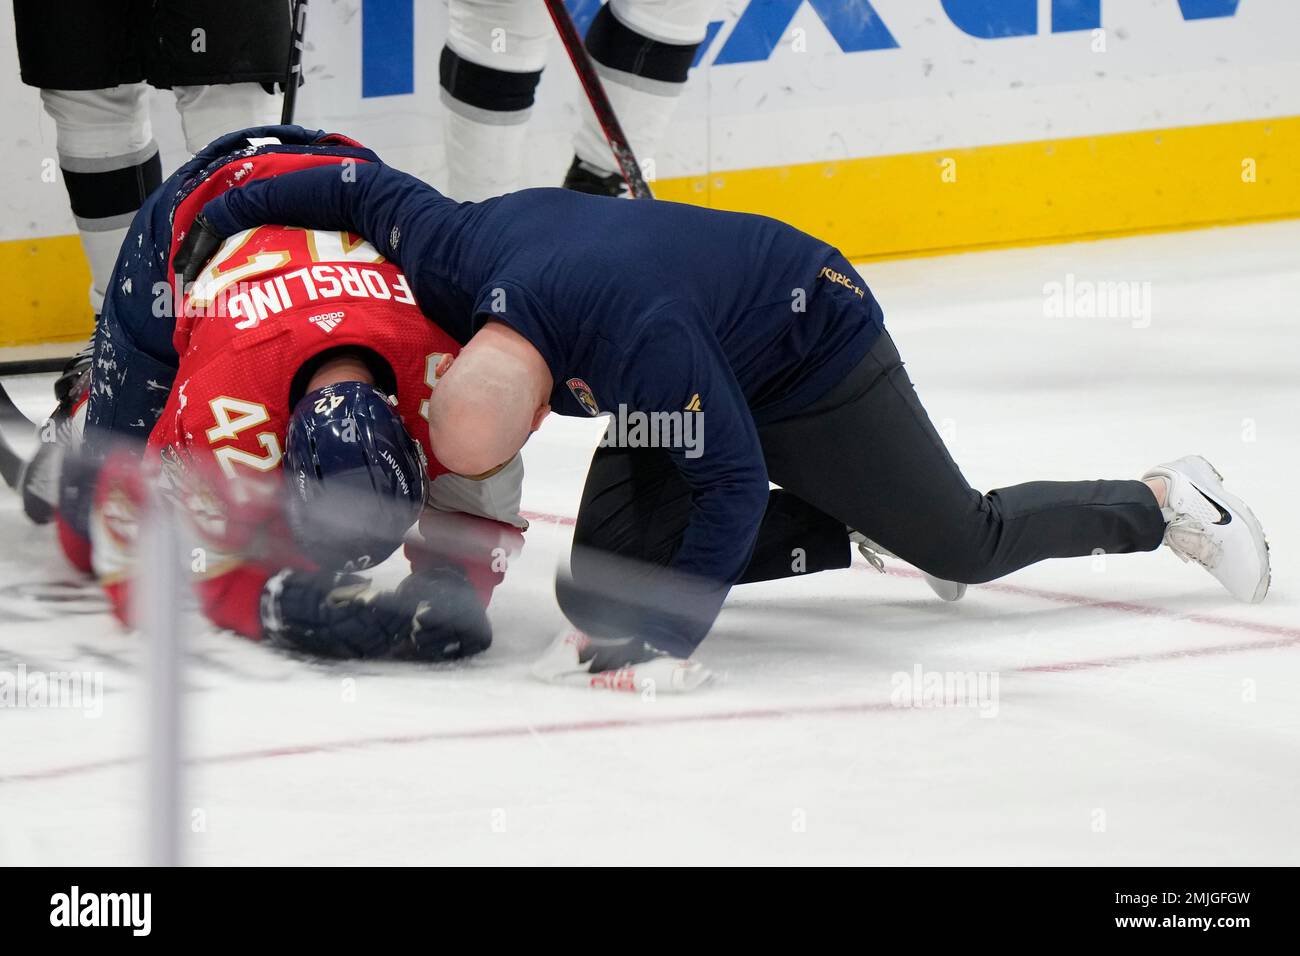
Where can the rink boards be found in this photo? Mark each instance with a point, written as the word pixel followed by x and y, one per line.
pixel 889 127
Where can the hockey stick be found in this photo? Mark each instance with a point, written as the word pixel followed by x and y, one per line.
pixel 11 465
pixel 591 84
pixel 293 72
pixel 35 366
pixel 10 413
pixel 29 476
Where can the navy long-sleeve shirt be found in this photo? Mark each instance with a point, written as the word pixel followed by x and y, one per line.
pixel 648 306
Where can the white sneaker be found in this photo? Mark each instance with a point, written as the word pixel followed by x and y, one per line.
pixel 947 590
pixel 1213 528
pixel 577 660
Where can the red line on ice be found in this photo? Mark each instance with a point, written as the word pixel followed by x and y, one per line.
pixel 481 733
pixel 1291 635
pixel 1282 635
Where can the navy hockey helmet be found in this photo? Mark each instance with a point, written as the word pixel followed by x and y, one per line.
pixel 357 477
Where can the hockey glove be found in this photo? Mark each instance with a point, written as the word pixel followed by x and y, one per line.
pixel 323 613
pixel 435 615
pixel 432 616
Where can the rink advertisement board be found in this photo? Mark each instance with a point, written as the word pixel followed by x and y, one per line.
pixel 889 127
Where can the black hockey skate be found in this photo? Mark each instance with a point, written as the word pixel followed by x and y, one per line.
pixel 67 383
pixel 586 178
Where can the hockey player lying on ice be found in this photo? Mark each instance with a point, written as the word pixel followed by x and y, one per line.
pixel 586 304
pixel 282 365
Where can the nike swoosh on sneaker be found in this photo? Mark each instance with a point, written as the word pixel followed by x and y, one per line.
pixel 1224 516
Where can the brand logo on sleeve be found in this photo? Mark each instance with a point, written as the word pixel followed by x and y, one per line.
pixel 584 396
pixel 839 278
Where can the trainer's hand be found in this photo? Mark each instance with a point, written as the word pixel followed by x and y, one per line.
pixel 435 615
pixel 200 244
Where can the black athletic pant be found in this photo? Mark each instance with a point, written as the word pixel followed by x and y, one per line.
pixel 865 456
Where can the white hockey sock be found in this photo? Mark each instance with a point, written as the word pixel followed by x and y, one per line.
pixel 644 109
pixel 101 247
pixel 110 163
pixel 211 111
pixel 488 73
pixel 643 53
pixel 485 150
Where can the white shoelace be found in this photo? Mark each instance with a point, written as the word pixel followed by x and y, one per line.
pixel 1187 538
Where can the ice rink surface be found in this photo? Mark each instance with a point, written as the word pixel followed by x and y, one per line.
pixel 1141 716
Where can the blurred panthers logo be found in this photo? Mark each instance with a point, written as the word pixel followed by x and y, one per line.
pixel 120 517
pixel 584 396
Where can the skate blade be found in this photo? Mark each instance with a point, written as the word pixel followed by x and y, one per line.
pixel 946 590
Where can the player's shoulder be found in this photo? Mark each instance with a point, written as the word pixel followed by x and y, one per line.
pixel 228 399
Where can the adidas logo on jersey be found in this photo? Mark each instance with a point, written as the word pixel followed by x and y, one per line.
pixel 326 321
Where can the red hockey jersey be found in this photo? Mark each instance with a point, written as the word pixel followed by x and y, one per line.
pixel 271 300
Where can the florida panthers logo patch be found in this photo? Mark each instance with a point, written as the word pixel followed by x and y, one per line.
pixel 584 396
